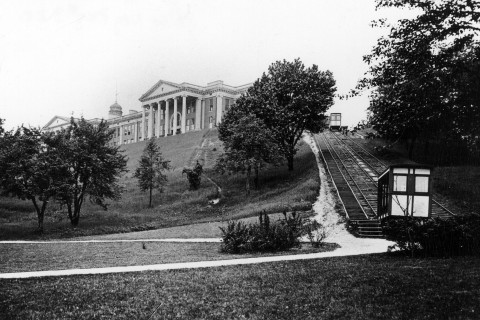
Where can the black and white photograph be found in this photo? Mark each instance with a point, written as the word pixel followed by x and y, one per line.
pixel 239 159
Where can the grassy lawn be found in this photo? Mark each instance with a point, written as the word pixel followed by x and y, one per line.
pixel 177 205
pixel 38 257
pixel 362 287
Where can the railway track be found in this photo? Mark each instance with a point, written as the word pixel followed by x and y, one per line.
pixel 355 172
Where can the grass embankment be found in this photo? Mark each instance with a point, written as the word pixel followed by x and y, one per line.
pixel 177 205
pixel 363 287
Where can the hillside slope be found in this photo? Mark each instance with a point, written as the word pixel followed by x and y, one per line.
pixel 176 205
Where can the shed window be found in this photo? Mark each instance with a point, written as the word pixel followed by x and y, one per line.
pixel 421 184
pixel 421 206
pixel 399 183
pixel 422 171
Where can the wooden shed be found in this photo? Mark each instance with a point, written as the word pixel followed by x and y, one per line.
pixel 405 190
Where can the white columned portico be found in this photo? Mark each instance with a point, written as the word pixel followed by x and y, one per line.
pixel 135 128
pixel 159 113
pixel 165 119
pixel 150 122
pixel 174 127
pixel 143 123
pixel 198 107
pixel 121 134
pixel 184 112
pixel 219 110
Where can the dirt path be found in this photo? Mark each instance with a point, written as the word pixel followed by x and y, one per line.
pixel 324 208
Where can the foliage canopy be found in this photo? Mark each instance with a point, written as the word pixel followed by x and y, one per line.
pixel 151 166
pixel 31 167
pixel 94 166
pixel 289 99
pixel 425 74
pixel 248 145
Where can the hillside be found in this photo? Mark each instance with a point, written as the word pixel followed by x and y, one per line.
pixel 180 149
pixel 177 205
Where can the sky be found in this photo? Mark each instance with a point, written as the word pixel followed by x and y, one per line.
pixel 64 57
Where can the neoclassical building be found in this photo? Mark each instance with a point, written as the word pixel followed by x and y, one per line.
pixel 167 109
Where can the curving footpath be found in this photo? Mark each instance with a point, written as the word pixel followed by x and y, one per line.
pixel 325 214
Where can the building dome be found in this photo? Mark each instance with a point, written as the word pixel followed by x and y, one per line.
pixel 115 111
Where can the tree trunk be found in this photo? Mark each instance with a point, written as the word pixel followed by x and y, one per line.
pixel 40 223
pixel 150 201
pixel 255 180
pixel 290 162
pixel 40 214
pixel 70 213
pixel 75 217
pixel 247 182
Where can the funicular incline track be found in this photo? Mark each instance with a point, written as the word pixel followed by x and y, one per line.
pixel 378 167
pixel 354 200
pixel 357 160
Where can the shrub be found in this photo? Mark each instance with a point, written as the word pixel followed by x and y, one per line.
pixel 194 176
pixel 263 236
pixel 458 235
pixel 316 233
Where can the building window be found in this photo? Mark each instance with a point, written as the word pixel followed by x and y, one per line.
pixel 210 119
pixel 211 105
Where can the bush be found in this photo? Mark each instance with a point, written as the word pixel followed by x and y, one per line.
pixel 263 236
pixel 316 233
pixel 456 236
pixel 194 175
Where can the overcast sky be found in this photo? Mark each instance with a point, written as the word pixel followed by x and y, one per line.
pixel 59 57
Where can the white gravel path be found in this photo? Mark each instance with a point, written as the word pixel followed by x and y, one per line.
pixel 199 240
pixel 325 214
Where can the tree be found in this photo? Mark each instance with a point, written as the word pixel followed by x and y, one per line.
pixel 150 169
pixel 248 145
pixel 194 175
pixel 94 167
pixel 423 74
pixel 31 168
pixel 290 99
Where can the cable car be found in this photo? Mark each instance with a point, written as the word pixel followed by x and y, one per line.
pixel 405 190
pixel 335 121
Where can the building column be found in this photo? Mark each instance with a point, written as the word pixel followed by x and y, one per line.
pixel 159 116
pixel 120 142
pixel 198 107
pixel 219 110
pixel 184 113
pixel 135 134
pixel 143 123
pixel 166 121
pixel 202 114
pixel 174 127
pixel 150 122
